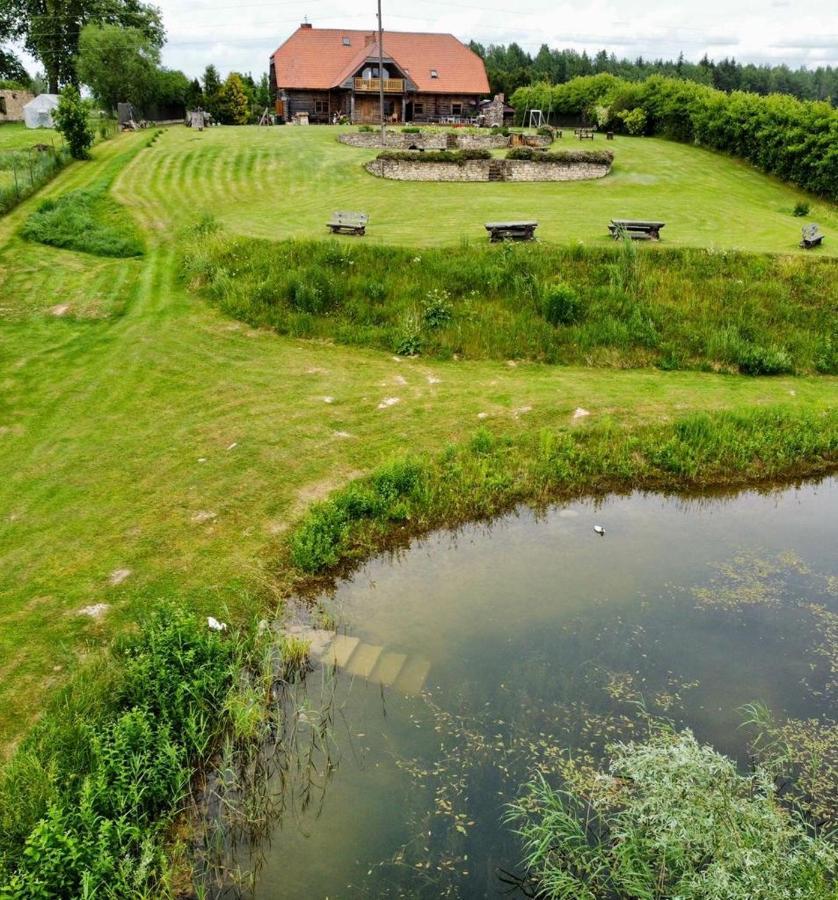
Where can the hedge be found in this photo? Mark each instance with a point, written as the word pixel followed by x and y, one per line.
pixel 794 139
pixel 563 157
pixel 435 156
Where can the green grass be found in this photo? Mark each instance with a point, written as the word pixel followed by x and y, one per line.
pixel 88 220
pixel 608 306
pixel 16 136
pixel 285 182
pixel 142 430
pixel 152 447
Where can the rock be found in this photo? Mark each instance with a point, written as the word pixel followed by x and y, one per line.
pixel 118 576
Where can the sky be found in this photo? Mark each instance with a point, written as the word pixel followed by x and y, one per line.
pixel 241 36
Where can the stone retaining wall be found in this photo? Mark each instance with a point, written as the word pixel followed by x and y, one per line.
pixel 437 140
pixel 486 170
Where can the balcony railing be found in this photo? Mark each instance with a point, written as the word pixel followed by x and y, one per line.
pixel 373 85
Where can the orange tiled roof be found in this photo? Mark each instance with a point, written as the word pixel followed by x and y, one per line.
pixel 318 58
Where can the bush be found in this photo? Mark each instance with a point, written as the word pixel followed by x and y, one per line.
pixel 560 305
pixel 437 310
pixel 562 157
pixel 671 819
pixel 435 156
pixel 756 360
pixel 801 208
pixel 365 129
pixel 411 129
pixel 634 120
pixel 72 122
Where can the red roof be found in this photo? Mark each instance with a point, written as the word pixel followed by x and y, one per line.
pixel 321 58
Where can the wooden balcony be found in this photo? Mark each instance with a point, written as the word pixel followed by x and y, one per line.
pixel 373 85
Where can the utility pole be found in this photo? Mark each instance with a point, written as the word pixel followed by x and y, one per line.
pixel 381 72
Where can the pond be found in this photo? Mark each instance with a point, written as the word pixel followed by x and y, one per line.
pixel 480 657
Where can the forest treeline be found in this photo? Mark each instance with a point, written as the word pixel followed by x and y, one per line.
pixel 510 67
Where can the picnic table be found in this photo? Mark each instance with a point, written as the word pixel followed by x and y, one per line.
pixel 812 237
pixel 348 223
pixel 511 231
pixel 636 229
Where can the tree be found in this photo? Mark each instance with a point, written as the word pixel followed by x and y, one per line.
pixel 212 90
pixel 171 92
pixel 50 29
pixel 119 65
pixel 194 95
pixel 72 122
pixel 234 108
pixel 11 68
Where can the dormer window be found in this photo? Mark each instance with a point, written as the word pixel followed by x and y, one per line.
pixel 434 73
pixel 347 42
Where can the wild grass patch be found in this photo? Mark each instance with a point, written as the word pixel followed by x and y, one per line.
pixel 22 172
pixel 87 220
pixel 675 309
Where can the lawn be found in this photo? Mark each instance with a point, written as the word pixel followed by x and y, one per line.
pixel 16 136
pixel 285 182
pixel 150 446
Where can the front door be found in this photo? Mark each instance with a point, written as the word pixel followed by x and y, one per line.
pixel 366 110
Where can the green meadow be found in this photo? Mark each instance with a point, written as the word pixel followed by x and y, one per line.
pixel 153 446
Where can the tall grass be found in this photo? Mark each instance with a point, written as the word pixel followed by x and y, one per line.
pixel 87 220
pixel 491 474
pixel 671 308
pixel 88 800
pixel 22 172
pixel 671 818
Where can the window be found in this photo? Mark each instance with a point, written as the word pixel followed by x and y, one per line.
pixel 2 106
pixel 347 42
pixel 456 109
pixel 419 109
pixel 321 106
pixel 434 73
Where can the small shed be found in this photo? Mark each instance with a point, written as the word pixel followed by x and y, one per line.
pixel 38 112
pixel 12 103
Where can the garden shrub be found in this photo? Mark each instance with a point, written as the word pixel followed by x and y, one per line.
pixel 562 157
pixel 634 120
pixel 801 208
pixel 560 304
pixel 411 129
pixel 756 360
pixel 435 156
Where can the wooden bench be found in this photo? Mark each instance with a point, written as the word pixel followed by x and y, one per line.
pixel 511 231
pixel 348 223
pixel 585 134
pixel 636 229
pixel 812 237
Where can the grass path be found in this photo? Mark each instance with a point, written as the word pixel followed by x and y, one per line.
pixel 152 435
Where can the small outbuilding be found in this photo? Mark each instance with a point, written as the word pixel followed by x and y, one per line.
pixel 38 112
pixel 12 103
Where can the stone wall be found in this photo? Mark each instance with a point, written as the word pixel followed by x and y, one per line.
pixel 486 170
pixel 437 140
pixel 12 103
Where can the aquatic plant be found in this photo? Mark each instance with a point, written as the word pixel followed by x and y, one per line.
pixel 670 818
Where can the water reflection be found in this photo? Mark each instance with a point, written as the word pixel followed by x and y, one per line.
pixel 543 644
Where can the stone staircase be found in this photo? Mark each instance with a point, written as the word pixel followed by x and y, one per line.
pixel 451 142
pixel 372 662
pixel 497 170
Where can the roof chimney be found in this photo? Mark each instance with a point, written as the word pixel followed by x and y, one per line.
pixel 369 39
pixel 305 25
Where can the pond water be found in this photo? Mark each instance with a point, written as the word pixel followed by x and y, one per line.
pixel 533 635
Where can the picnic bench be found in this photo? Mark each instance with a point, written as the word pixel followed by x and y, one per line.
pixel 348 223
pixel 636 229
pixel 812 237
pixel 511 231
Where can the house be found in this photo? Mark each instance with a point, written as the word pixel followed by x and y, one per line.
pixel 12 103
pixel 329 71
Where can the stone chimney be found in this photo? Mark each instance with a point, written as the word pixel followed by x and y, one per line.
pixel 305 25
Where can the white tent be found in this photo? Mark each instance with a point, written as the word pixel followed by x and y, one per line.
pixel 38 112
